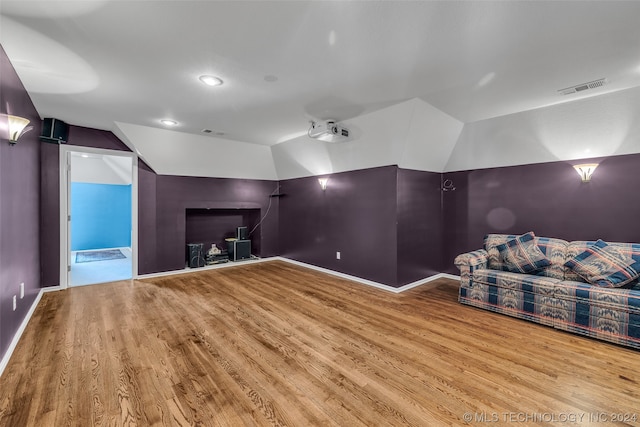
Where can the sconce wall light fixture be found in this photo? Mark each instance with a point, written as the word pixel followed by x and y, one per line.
pixel 17 126
pixel 323 183
pixel 586 170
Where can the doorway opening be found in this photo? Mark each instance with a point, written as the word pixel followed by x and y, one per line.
pixel 99 216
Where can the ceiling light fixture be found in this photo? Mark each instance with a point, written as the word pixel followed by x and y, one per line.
pixel 210 80
pixel 169 122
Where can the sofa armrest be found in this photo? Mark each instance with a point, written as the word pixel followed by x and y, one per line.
pixel 475 260
pixel 469 262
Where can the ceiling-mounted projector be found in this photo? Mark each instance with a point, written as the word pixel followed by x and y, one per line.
pixel 328 131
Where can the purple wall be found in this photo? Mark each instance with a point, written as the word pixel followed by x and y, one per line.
pixel 419 225
pixel 386 223
pixel 355 215
pixel 175 194
pixel 49 215
pixel 548 199
pixel 19 206
pixel 147 242
pixel 50 194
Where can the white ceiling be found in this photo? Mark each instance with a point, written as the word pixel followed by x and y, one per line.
pixel 118 65
pixel 100 168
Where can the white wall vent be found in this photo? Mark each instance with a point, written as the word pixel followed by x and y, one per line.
pixel 583 86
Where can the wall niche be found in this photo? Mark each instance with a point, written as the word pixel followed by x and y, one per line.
pixel 213 225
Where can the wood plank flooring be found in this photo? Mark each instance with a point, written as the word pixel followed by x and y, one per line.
pixel 276 344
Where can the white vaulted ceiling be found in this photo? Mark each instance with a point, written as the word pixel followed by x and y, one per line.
pixel 407 76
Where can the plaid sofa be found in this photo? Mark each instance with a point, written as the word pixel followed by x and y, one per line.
pixel 554 295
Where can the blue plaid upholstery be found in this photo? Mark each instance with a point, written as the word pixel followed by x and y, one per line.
pixel 553 249
pixel 566 302
pixel 522 255
pixel 631 250
pixel 605 313
pixel 468 263
pixel 604 265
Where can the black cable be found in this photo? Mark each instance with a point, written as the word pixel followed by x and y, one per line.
pixel 267 212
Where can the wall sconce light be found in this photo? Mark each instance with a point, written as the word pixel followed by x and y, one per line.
pixel 586 170
pixel 323 183
pixel 17 127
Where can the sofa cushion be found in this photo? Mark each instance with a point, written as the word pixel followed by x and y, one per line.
pixel 574 248
pixel 604 265
pixel 553 249
pixel 522 255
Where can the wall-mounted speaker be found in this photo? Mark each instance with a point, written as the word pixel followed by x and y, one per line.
pixel 54 131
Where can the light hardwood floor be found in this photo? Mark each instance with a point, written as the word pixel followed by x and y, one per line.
pixel 276 344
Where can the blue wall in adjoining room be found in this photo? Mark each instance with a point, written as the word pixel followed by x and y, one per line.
pixel 100 216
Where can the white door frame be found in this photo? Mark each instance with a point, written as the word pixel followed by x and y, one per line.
pixel 65 243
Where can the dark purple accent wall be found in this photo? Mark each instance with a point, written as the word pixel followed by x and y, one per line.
pixel 147 224
pixel 19 207
pixel 95 138
pixel 50 193
pixel 49 214
pixel 385 222
pixel 548 199
pixel 356 215
pixel 420 236
pixel 175 194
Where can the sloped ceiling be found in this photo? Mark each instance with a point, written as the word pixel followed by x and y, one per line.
pixel 100 169
pixel 177 153
pixel 596 127
pixel 412 135
pixel 124 65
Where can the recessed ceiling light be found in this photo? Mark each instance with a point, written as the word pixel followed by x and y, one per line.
pixel 168 122
pixel 210 80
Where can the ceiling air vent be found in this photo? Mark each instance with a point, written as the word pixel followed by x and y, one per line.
pixel 213 132
pixel 582 87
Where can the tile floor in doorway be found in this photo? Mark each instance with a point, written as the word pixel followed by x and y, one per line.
pixel 88 273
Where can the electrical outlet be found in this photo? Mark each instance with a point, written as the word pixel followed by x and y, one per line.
pixel 15 302
pixel 337 255
pixel 21 290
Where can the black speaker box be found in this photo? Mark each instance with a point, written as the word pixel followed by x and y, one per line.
pixel 195 252
pixel 54 131
pixel 241 233
pixel 239 249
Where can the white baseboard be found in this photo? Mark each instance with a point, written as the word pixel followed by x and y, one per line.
pixel 310 266
pixel 370 282
pixel 206 267
pixel 16 338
